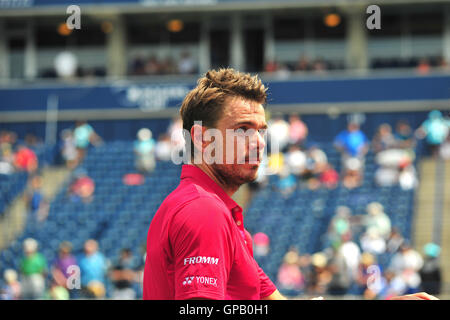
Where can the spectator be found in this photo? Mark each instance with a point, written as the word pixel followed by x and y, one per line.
pixel 318 158
pixel 430 273
pixel 57 292
pixel 353 173
pixel 352 143
pixel 31 141
pixel 394 162
pixel 372 242
pixel 175 132
pixel 163 148
pixel 82 188
pixel 138 66
pixel 261 244
pixel 144 149
pixel 295 160
pixel 33 267
pixel 392 150
pixel 25 159
pixel 186 65
pixel 282 71
pixel 370 282
pixel 123 275
pixel 278 133
pixel 38 206
pixel 320 276
pixel 168 66
pixel 339 226
pixel 60 267
pixel 329 178
pixel 93 268
pixel 12 290
pixel 69 150
pixel 408 177
pixel 287 183
pixel 303 64
pixel 7 140
pixel 340 280
pixel 290 278
pixel 298 131
pixel 84 135
pixel 384 139
pixel 271 66
pixel 377 219
pixel 275 163
pixel 404 135
pixel 386 176
pixel 435 131
pixel 353 146
pixel 394 241
pixel 444 151
pixel 351 255
pixel 424 66
pixel 319 66
pixel 407 263
pixel 152 66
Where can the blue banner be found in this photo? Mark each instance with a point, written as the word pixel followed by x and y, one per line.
pixel 152 97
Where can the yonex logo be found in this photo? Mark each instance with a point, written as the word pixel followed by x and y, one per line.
pixel 188 280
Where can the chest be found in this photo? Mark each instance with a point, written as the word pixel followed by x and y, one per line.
pixel 243 282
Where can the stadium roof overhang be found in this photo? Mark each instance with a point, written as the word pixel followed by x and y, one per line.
pixel 24 8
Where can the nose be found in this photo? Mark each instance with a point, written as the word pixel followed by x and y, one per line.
pixel 258 142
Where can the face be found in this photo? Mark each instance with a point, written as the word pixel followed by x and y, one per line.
pixel 90 247
pixel 241 159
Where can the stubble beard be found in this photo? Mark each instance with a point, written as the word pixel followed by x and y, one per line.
pixel 234 178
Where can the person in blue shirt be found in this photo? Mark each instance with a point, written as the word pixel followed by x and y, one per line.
pixel 352 142
pixel 93 268
pixel 435 131
pixel 353 145
pixel 144 149
pixel 84 135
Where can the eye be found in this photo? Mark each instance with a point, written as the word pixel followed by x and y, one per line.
pixel 241 130
pixel 262 131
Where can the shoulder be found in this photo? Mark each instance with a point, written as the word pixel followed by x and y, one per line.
pixel 201 218
pixel 204 209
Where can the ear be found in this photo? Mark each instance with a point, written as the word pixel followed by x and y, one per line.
pixel 197 136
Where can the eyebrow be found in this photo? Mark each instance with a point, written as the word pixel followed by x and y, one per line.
pixel 249 123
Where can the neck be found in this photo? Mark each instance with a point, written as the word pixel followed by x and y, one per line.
pixel 217 178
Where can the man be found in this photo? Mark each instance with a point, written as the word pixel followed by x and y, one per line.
pixel 123 276
pixel 197 246
pixel 33 268
pixel 93 270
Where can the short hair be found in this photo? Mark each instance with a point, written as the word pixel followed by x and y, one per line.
pixel 206 101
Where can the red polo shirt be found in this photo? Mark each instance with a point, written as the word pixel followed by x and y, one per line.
pixel 197 246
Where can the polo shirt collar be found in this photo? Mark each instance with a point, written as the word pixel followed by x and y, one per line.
pixel 191 171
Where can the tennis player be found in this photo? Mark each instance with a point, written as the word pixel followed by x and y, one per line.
pixel 197 245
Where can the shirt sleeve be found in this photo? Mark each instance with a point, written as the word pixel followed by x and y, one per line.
pixel 203 249
pixel 266 285
pixel 338 140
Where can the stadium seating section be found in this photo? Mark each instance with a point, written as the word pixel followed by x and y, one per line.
pixel 120 214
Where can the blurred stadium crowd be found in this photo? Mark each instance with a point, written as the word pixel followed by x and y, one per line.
pixel 347 263
pixel 331 211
